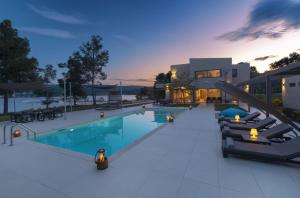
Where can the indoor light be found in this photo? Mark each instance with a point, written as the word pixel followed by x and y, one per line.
pixel 253 133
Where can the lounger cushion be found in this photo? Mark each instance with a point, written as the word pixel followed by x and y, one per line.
pixel 274 132
pixel 258 125
pixel 252 150
pixel 232 112
pixel 280 151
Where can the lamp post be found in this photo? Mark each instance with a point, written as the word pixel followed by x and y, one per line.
pixel 65 97
pixel 70 89
pixel 14 101
pixel 121 90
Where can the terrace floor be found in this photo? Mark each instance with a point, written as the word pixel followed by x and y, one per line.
pixel 182 159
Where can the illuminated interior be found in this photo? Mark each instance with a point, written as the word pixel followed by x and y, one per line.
pixel 215 73
pixel 201 95
pixel 182 96
pixel 173 74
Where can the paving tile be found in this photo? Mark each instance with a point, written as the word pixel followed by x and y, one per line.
pixel 159 185
pixel 237 177
pixel 228 193
pixel 275 182
pixel 15 186
pixel 192 189
pixel 203 168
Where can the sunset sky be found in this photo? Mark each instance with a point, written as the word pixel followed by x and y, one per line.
pixel 145 37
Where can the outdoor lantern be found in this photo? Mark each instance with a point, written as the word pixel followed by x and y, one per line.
pixel 101 114
pixel 190 107
pixel 17 133
pixel 253 133
pixel 237 118
pixel 101 160
pixel 170 118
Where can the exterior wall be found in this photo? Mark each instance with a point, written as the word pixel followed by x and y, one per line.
pixel 291 95
pixel 201 64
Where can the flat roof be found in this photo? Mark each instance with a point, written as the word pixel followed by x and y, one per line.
pixel 289 70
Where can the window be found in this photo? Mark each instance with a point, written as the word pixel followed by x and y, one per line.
pixel 292 84
pixel 208 74
pixel 214 73
pixel 201 74
pixel 214 93
pixel 234 73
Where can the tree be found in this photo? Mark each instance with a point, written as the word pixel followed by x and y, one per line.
pixel 293 57
pixel 94 58
pixel 75 74
pixel 183 83
pixel 15 65
pixel 162 79
pixel 253 72
pixel 48 74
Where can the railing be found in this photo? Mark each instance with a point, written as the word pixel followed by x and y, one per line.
pixel 23 126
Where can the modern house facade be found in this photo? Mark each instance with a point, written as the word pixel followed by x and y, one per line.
pixel 291 92
pixel 194 82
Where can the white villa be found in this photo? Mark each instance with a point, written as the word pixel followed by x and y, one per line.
pixel 204 72
pixel 291 92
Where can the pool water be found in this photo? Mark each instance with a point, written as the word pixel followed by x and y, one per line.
pixel 112 133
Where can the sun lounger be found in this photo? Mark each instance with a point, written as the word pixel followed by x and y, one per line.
pixel 286 151
pixel 248 118
pixel 274 132
pixel 262 124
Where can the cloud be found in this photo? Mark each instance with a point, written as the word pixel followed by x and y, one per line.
pixel 263 58
pixel 55 16
pixel 133 80
pixel 122 37
pixel 48 32
pixel 268 19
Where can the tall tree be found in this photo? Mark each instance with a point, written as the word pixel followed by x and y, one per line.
pixel 94 58
pixel 293 57
pixel 253 72
pixel 15 65
pixel 75 74
pixel 48 74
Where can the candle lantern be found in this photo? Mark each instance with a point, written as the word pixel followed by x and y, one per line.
pixel 17 133
pixel 170 118
pixel 101 160
pixel 101 114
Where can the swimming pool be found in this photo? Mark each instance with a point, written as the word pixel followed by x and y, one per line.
pixel 113 134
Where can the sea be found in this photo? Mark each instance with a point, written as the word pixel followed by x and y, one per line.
pixel 26 103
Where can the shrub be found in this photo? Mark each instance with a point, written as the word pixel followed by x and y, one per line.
pixel 277 102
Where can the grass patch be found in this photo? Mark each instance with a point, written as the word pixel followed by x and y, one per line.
pixel 221 107
pixel 4 117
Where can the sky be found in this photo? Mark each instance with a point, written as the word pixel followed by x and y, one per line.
pixel 145 37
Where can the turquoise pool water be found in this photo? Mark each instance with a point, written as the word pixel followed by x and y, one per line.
pixel 112 133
